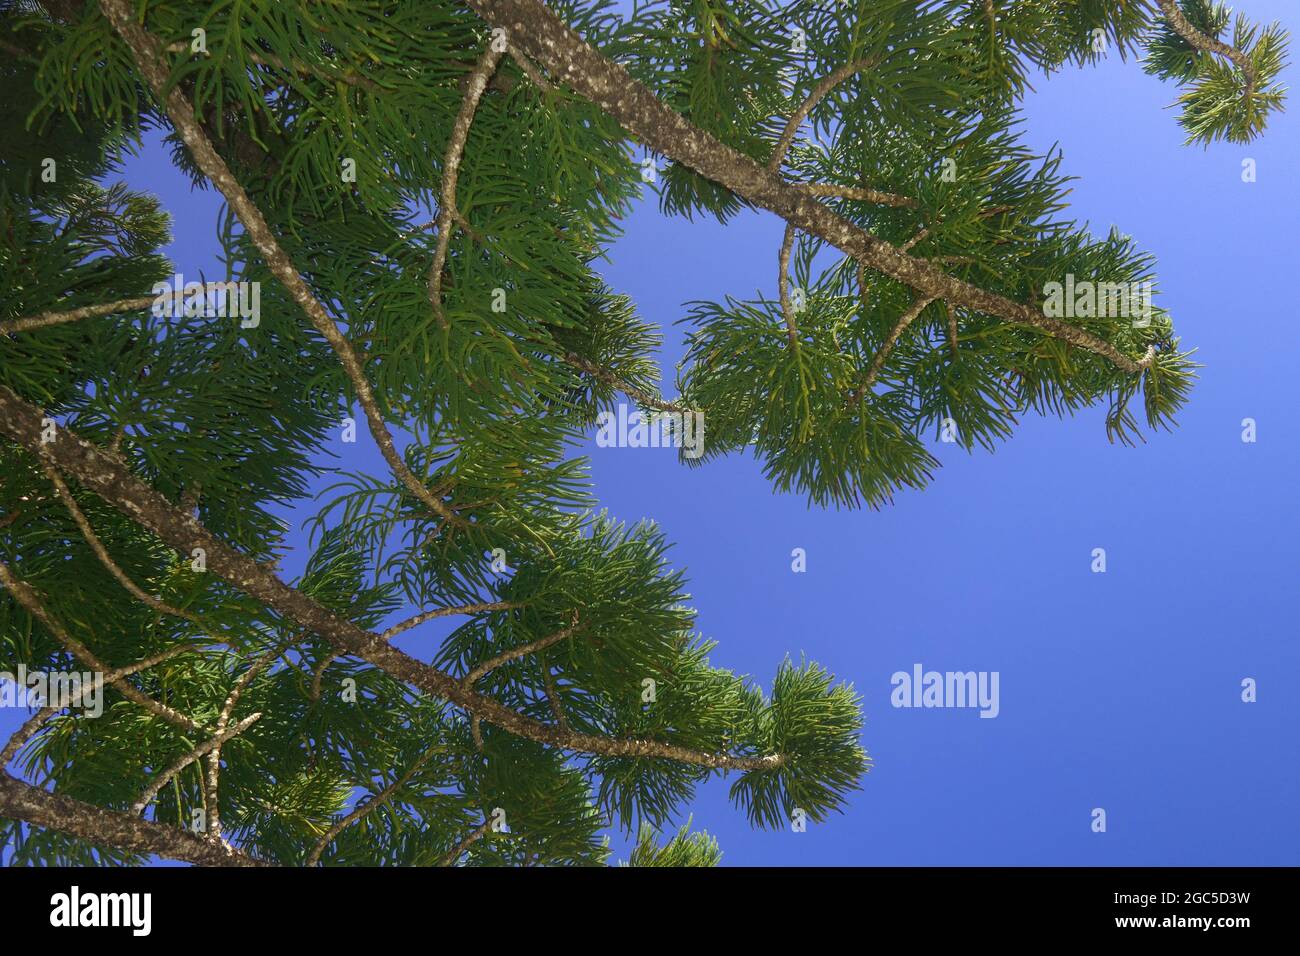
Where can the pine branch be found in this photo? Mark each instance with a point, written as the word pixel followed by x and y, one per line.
pixel 374 803
pixel 38 720
pixel 96 471
pixel 783 286
pixel 423 616
pixel 26 596
pixel 613 381
pixel 878 362
pixel 819 91
pixel 1206 44
pixel 550 42
pixel 46 319
pixel 142 802
pixel 532 647
pixel 459 849
pixel 55 811
pixel 147 52
pixel 483 71
pixel 212 780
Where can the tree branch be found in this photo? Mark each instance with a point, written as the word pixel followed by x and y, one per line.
pixel 55 811
pixel 362 809
pixel 459 849
pixel 423 616
pixel 1207 44
pixel 478 80
pixel 783 286
pixel 514 653
pixel 824 86
pixel 571 61
pixel 25 595
pixel 96 471
pixel 142 802
pixel 147 51
pixel 878 362
pixel 46 319
pixel 38 720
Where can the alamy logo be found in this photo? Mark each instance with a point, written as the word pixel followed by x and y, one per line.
pixel 74 908
pixel 58 689
pixel 1085 299
pixel 212 300
pixel 638 429
pixel 946 689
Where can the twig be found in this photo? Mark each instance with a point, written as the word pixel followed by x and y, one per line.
pixel 364 808
pixel 142 802
pixel 878 362
pixel 483 70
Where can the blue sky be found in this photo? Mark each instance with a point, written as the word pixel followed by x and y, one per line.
pixel 1118 690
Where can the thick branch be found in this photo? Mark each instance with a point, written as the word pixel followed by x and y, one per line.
pixel 55 811
pixel 1207 44
pixel 572 62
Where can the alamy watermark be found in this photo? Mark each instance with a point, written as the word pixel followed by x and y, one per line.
pixel 635 428
pixel 922 688
pixel 58 689
pixel 1086 299
pixel 211 300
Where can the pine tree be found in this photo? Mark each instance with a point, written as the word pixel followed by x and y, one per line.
pixel 419 191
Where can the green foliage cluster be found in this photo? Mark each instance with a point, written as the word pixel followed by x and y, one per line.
pixel 231 421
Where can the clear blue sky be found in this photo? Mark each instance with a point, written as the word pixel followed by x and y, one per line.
pixel 1118 690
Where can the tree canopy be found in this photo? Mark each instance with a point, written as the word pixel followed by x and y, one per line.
pixel 418 193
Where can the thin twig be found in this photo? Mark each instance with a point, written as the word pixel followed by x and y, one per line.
pixel 142 802
pixel 783 286
pixel 459 849
pixel 1207 44
pixel 516 652
pixel 824 86
pixel 42 716
pixel 368 806
pixel 878 362
pixel 423 616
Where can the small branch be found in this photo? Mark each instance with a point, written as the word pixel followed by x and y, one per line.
pixel 148 55
pixel 483 70
pixel 1206 44
pixel 362 809
pixel 878 362
pixel 516 652
pixel 459 849
pixel 824 86
pixel 212 780
pixel 607 377
pixel 47 319
pixel 164 778
pixel 553 694
pixel 26 596
pixel 783 286
pixel 420 618
pixel 97 546
pixel 952 328
pixel 38 720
